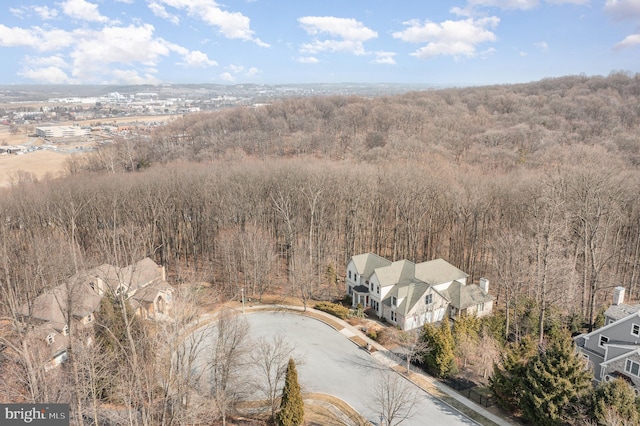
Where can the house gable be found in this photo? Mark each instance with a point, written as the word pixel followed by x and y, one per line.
pixel 619 330
pixel 409 294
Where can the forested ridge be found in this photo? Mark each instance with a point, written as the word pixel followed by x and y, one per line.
pixel 534 186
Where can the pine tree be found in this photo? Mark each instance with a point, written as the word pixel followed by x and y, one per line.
pixel 615 399
pixel 291 407
pixel 506 382
pixel 440 359
pixel 554 383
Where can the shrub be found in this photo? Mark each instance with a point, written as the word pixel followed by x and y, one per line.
pixel 372 334
pixel 333 309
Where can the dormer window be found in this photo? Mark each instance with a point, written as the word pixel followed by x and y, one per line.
pixel 89 318
pixel 65 330
pixel 50 338
pixel 394 301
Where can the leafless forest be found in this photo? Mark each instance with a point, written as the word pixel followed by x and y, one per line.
pixel 534 186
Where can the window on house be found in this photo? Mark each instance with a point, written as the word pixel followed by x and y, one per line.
pixel 371 287
pixel 603 341
pixel 50 338
pixel 65 330
pixel 635 329
pixel 350 291
pixel 394 316
pixel 378 289
pixel 89 318
pixel 481 307
pixel 429 299
pixel 349 274
pixel 394 301
pixel 632 367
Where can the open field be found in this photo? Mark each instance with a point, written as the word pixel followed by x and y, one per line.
pixel 46 162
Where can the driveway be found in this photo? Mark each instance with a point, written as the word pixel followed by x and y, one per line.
pixel 332 364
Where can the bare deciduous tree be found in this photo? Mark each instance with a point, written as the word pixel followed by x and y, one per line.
pixel 394 397
pixel 226 382
pixel 270 357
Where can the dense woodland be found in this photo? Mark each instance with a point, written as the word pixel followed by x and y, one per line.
pixel 534 186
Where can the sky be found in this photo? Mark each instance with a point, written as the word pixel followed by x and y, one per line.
pixel 455 42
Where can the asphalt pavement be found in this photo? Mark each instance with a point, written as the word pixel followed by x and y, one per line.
pixel 332 364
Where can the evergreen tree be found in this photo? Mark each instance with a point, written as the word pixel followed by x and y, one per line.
pixel 506 382
pixel 440 359
pixel 615 399
pixel 291 407
pixel 554 383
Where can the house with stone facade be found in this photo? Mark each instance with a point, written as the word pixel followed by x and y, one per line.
pixel 410 295
pixel 75 303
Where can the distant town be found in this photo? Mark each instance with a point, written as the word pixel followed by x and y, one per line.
pixel 81 117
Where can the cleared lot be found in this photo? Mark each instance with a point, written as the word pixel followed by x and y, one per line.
pixel 334 365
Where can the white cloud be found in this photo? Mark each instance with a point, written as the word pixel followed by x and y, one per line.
pixel 82 10
pixel 523 54
pixel 197 59
pixel 384 58
pixel 18 13
pixel 506 4
pixel 235 70
pixel 449 38
pixel 46 75
pixel 227 76
pixel 126 45
pixel 233 25
pixel 578 2
pixel 346 35
pixel 45 61
pixel 542 45
pixel 629 42
pixel 16 36
pixel 87 53
pixel 132 77
pixel 35 37
pixel 307 60
pixel 161 12
pixel 623 9
pixel 45 13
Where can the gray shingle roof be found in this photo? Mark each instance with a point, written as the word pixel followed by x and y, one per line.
pixel 368 262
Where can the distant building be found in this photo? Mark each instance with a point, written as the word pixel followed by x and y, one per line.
pixel 62 131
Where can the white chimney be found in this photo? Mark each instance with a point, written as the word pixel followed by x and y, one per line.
pixel 484 284
pixel 618 295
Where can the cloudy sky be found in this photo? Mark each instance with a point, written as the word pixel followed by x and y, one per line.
pixel 311 41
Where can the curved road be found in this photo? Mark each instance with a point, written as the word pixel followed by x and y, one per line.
pixel 333 364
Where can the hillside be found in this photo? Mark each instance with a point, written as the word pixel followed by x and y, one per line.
pixel 534 186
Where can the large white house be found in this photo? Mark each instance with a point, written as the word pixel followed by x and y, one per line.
pixel 410 295
pixel 614 350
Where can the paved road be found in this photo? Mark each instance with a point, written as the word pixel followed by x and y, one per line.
pixel 334 365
